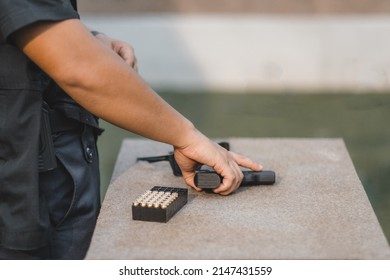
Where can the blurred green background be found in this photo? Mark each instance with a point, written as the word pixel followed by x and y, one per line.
pixel 360 119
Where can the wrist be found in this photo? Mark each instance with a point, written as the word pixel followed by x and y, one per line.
pixel 187 136
pixel 191 138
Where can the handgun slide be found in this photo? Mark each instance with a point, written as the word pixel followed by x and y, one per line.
pixel 207 179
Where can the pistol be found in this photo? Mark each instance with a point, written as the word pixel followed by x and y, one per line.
pixel 207 179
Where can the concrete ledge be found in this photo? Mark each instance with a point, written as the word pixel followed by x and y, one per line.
pixel 246 53
pixel 316 210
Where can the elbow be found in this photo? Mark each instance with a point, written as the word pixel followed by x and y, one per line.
pixel 78 83
pixel 72 78
pixel 91 84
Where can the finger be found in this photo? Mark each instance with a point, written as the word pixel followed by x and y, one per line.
pixel 246 162
pixel 126 52
pixel 189 179
pixel 135 64
pixel 128 56
pixel 228 185
pixel 232 177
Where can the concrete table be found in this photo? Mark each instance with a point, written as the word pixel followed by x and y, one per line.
pixel 317 208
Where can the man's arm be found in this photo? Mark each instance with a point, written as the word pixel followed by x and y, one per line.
pixel 100 81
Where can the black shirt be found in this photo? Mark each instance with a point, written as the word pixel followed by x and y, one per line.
pixel 15 14
pixel 24 223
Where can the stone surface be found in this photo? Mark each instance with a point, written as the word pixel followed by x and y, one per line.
pixel 317 209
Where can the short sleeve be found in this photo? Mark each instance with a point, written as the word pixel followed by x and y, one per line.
pixel 16 14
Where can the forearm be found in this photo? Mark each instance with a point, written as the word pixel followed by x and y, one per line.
pixel 116 93
pixel 99 80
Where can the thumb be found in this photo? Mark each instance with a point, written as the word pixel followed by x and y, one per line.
pixel 189 179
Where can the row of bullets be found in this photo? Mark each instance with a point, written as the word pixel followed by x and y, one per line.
pixel 156 199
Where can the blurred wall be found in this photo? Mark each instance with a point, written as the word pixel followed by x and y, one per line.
pixel 253 45
pixel 237 6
